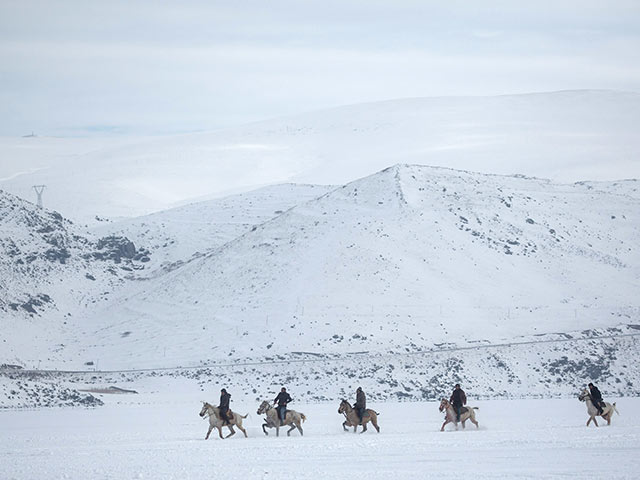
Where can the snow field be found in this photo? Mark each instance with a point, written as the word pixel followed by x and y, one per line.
pixel 160 436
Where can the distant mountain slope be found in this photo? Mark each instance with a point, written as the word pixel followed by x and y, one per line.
pixel 50 271
pixel 566 136
pixel 405 259
pixel 183 233
pixel 46 260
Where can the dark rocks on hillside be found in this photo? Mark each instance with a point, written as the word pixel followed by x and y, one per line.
pixel 31 303
pixel 57 255
pixel 115 248
pixel 587 368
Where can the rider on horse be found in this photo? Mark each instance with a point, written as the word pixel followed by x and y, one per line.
pixel 458 399
pixel 361 403
pixel 224 405
pixel 282 399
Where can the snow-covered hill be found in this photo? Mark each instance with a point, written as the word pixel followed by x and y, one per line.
pixel 566 136
pixel 47 262
pixel 181 234
pixel 408 258
pixel 403 281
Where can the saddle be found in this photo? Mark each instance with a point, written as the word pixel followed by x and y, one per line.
pixel 463 410
pixel 229 417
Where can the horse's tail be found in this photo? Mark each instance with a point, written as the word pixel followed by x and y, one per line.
pixel 613 405
pixel 377 413
pixel 303 417
pixel 243 416
pixel 476 408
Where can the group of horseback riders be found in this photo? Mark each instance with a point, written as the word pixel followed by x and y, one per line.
pixel 280 403
pixel 458 399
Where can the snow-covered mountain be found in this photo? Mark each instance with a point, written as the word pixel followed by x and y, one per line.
pixel 411 255
pixel 566 136
pixel 49 263
pixel 183 233
pixel 406 279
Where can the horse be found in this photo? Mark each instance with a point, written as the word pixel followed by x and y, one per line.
pixel 291 418
pixel 466 413
pixel 352 419
pixel 607 410
pixel 215 421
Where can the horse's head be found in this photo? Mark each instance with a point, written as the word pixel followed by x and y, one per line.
pixel 205 407
pixel 584 394
pixel 264 406
pixel 444 404
pixel 344 407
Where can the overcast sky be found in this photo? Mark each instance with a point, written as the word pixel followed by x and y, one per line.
pixel 153 67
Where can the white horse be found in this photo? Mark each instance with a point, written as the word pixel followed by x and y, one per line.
pixel 215 421
pixel 450 414
pixel 607 410
pixel 291 418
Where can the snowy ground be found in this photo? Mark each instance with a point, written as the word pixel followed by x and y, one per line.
pixel 160 436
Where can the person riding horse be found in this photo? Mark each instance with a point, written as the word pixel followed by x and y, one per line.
pixel 281 400
pixel 458 399
pixel 225 398
pixel 596 398
pixel 361 403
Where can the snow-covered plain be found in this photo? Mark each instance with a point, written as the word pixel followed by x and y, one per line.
pixel 161 436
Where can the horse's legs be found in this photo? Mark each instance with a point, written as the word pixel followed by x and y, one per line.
pixel 374 421
pixel 220 431
pixel 344 426
pixel 364 427
pixel 463 422
pixel 264 429
pixel 277 431
pixel 243 431
pixel 445 422
pixel 300 428
pixel 209 432
pixel 233 432
pixel 293 427
pixel 355 428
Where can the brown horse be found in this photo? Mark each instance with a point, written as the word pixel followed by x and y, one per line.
pixel 352 419
pixel 450 414
pixel 291 418
pixel 215 421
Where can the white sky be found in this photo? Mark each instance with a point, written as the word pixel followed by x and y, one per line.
pixel 149 67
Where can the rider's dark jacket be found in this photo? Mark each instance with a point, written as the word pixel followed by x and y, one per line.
pixel 224 401
pixel 458 398
pixel 282 399
pixel 596 396
pixel 361 401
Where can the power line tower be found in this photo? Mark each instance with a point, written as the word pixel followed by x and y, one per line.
pixel 39 189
